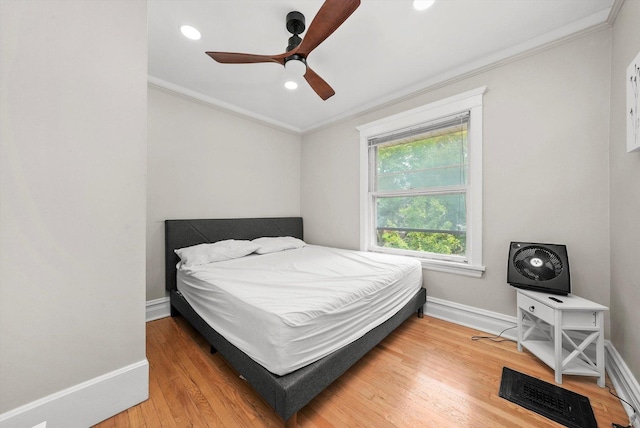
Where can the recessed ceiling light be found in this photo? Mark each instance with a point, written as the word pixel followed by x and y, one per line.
pixel 291 85
pixel 422 4
pixel 190 32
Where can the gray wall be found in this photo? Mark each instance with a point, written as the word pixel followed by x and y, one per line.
pixel 207 163
pixel 624 197
pixel 546 125
pixel 72 193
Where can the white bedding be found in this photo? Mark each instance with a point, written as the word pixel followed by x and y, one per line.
pixel 288 309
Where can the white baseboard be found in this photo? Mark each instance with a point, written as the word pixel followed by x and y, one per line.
pixel 490 322
pixel 158 308
pixel 469 316
pixel 87 403
pixel 623 380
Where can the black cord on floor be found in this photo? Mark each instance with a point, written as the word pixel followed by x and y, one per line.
pixel 495 338
pixel 635 412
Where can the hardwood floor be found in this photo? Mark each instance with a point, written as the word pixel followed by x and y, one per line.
pixel 427 373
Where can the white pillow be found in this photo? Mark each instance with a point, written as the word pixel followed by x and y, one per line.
pixel 218 251
pixel 281 243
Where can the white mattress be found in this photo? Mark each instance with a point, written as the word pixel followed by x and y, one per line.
pixel 288 309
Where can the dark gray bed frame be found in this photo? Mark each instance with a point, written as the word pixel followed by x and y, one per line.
pixel 289 393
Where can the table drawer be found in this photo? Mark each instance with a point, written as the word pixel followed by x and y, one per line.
pixel 536 308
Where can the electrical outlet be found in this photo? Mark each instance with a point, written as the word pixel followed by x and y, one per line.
pixel 41 425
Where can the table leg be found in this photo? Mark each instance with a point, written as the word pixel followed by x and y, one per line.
pixel 557 347
pixel 600 349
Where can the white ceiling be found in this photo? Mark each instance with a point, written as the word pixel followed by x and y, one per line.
pixel 384 51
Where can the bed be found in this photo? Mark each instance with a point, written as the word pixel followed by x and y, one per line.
pixel 286 393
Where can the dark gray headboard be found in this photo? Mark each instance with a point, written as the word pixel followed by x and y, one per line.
pixel 184 233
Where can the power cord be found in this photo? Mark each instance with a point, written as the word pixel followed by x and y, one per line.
pixel 633 416
pixel 613 424
pixel 496 338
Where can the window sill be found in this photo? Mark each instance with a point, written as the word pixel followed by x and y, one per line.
pixel 453 267
pixel 448 266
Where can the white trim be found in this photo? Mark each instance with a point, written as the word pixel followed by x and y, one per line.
pixel 444 107
pixel 155 83
pixel 624 382
pixel 87 403
pixel 581 28
pixel 453 267
pixel 157 308
pixel 471 101
pixel 613 12
pixel 472 317
pixel 572 31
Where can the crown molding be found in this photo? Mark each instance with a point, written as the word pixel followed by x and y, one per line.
pixel 171 88
pixel 613 12
pixel 578 29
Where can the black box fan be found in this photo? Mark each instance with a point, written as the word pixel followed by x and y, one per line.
pixel 539 267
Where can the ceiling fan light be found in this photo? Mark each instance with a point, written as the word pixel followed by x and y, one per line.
pixel 422 4
pixel 291 85
pixel 190 32
pixel 295 68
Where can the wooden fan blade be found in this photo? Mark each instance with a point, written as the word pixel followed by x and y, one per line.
pixel 318 84
pixel 243 58
pixel 330 16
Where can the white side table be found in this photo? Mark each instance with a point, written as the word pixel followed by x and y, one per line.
pixel 545 324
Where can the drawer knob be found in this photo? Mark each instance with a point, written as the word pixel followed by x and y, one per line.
pixel 532 308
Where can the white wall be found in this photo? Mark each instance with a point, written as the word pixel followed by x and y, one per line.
pixel 72 198
pixel 625 197
pixel 545 170
pixel 207 163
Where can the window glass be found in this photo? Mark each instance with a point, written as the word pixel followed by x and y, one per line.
pixel 425 161
pixel 408 167
pixel 421 184
pixel 435 224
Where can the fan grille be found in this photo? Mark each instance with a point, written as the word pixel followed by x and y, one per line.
pixel 537 263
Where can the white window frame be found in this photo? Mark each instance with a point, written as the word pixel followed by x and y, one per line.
pixel 470 101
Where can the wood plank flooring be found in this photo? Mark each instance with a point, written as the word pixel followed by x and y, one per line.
pixel 427 373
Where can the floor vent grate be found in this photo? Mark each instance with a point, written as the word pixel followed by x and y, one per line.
pixel 558 404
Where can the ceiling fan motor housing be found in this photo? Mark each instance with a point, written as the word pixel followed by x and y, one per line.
pixel 295 22
pixel 295 25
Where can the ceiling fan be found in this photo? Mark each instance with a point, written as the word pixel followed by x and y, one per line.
pixel 330 16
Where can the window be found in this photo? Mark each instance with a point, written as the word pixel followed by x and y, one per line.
pixel 421 184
